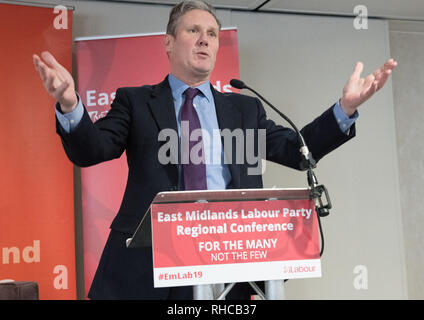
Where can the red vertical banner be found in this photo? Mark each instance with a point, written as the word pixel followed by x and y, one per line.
pixel 36 186
pixel 103 65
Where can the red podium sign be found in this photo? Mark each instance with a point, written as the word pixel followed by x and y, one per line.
pixel 234 241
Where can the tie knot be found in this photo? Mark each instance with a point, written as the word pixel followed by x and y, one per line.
pixel 191 93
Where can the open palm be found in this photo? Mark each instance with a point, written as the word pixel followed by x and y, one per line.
pixel 57 80
pixel 357 90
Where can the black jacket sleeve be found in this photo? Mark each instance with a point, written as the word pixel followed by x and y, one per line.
pixel 106 139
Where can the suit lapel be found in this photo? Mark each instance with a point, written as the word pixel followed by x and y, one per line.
pixel 228 118
pixel 162 106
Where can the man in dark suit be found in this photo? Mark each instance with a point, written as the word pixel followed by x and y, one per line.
pixel 137 117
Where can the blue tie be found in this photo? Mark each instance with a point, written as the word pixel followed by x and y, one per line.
pixel 194 173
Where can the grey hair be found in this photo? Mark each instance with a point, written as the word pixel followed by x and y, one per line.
pixel 182 8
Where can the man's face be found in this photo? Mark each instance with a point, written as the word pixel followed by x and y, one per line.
pixel 192 52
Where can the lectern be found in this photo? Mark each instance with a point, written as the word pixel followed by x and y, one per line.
pixel 213 239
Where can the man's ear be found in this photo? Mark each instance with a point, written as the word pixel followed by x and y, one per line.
pixel 169 41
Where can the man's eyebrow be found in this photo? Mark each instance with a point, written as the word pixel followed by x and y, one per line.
pixel 199 26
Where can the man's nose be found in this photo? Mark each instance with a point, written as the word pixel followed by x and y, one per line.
pixel 203 39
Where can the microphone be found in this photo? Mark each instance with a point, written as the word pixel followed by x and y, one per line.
pixel 307 161
pixel 238 84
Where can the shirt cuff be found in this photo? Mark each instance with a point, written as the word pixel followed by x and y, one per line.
pixel 342 118
pixel 69 121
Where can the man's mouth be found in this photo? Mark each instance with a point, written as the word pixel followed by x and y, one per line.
pixel 203 54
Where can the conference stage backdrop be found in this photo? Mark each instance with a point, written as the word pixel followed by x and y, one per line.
pixel 36 184
pixel 103 65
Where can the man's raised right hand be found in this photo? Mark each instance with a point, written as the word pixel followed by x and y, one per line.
pixel 57 81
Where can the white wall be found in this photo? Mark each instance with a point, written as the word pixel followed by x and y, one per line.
pixel 301 64
pixel 407 45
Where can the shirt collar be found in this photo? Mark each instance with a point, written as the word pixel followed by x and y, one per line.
pixel 178 87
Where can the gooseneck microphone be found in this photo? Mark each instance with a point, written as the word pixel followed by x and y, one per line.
pixel 307 161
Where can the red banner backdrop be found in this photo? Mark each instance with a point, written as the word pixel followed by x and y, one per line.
pixel 104 65
pixel 36 184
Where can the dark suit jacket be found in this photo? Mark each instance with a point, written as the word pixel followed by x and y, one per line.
pixel 133 124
